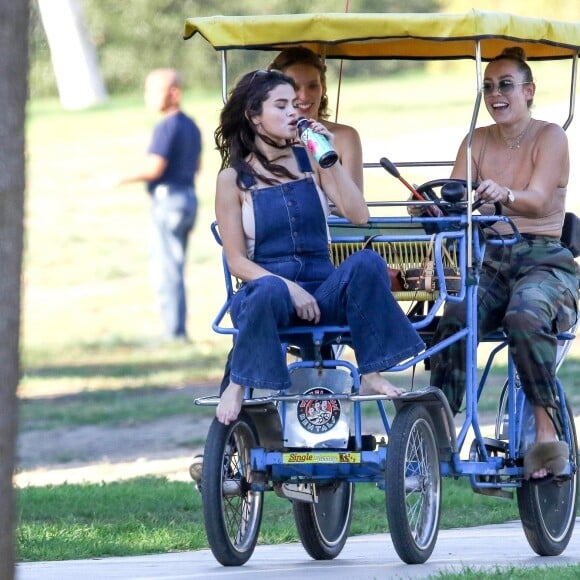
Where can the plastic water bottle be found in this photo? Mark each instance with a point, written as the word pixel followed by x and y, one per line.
pixel 317 144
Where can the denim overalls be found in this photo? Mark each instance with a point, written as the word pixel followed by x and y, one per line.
pixel 292 242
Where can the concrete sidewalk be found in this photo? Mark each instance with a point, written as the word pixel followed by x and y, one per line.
pixel 364 557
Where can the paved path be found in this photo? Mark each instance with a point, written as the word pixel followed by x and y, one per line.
pixel 363 557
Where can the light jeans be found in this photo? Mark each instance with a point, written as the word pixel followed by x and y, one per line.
pixel 173 213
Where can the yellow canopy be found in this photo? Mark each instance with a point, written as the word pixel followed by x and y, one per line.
pixel 398 36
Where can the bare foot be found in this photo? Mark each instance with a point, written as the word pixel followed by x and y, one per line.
pixel 375 384
pixel 544 432
pixel 540 474
pixel 542 471
pixel 230 404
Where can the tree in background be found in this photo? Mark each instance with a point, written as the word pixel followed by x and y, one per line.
pixel 134 37
pixel 73 56
pixel 13 92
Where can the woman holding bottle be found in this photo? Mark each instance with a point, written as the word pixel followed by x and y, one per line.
pixel 272 201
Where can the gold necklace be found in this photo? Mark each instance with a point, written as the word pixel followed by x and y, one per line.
pixel 515 142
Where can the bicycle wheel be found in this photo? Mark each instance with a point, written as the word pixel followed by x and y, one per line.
pixel 548 511
pixel 232 511
pixel 413 484
pixel 323 527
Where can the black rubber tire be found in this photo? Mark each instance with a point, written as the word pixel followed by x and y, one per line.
pixel 413 484
pixel 232 511
pixel 323 527
pixel 548 511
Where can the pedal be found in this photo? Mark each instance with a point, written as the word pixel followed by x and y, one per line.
pixel 493 448
pixel 195 470
pixel 305 492
pixel 495 445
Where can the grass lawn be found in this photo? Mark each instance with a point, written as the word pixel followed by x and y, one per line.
pixel 107 520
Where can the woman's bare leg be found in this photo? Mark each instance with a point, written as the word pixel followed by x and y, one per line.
pixel 230 404
pixel 376 384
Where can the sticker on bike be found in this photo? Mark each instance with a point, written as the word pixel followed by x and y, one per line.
pixel 318 416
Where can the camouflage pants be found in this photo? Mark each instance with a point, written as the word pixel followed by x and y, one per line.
pixel 530 290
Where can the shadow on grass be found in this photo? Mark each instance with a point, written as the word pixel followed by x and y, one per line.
pixel 117 385
pixel 122 369
pixel 117 358
pixel 130 406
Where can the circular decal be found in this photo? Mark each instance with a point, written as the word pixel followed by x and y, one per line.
pixel 318 416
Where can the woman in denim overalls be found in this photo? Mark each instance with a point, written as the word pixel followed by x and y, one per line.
pixel 271 207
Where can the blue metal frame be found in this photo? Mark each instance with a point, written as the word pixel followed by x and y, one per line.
pixel 362 465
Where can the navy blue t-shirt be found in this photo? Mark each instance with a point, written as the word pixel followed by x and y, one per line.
pixel 177 139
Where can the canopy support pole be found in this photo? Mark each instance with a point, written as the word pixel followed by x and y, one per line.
pixel 572 92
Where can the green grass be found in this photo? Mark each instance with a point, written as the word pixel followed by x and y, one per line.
pixel 110 408
pixel 108 520
pixel 512 573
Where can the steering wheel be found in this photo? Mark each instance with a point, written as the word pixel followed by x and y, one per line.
pixel 453 192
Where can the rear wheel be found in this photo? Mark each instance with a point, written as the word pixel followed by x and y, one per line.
pixel 232 511
pixel 323 526
pixel 548 510
pixel 413 484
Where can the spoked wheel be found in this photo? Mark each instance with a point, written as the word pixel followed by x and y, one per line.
pixel 232 511
pixel 413 484
pixel 323 527
pixel 548 510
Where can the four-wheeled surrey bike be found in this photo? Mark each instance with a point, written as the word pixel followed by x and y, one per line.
pixel 309 444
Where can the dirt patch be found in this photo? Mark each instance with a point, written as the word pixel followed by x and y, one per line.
pixel 94 453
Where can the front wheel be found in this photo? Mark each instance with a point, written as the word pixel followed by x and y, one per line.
pixel 548 511
pixel 413 484
pixel 323 526
pixel 232 511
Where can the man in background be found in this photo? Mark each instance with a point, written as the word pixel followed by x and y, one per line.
pixel 169 171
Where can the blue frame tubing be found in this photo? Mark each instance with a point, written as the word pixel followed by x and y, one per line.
pixel 364 465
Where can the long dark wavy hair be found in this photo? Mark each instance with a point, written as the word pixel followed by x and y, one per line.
pixel 235 136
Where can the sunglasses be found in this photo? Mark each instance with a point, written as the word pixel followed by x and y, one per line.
pixel 504 87
pixel 266 73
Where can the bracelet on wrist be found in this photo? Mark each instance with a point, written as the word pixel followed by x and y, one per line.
pixel 510 197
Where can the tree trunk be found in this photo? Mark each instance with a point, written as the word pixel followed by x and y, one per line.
pixel 14 19
pixel 74 59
